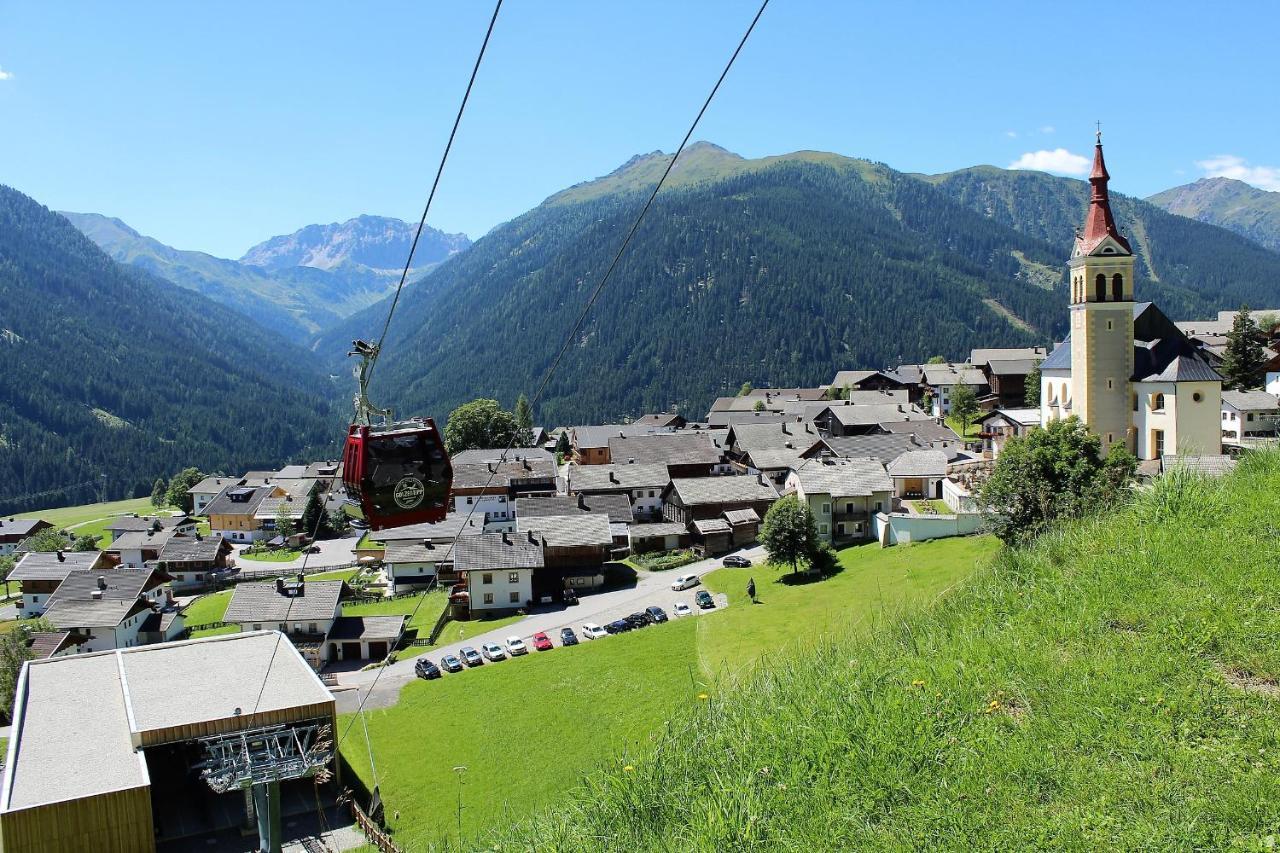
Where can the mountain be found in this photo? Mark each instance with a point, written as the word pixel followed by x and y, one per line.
pixel 1231 204
pixel 112 377
pixel 375 242
pixel 295 301
pixel 777 271
pixel 1190 268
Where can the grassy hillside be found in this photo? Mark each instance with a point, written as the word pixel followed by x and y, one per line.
pixel 1234 205
pixel 527 731
pixel 1114 686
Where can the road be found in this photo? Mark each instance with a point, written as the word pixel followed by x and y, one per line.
pixel 333 552
pixel 601 608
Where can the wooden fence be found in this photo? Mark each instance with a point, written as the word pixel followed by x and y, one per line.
pixel 377 837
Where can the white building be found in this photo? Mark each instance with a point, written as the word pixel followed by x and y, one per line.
pixel 918 474
pixel 1249 414
pixel 499 569
pixel 40 573
pixel 842 494
pixel 641 482
pixel 115 608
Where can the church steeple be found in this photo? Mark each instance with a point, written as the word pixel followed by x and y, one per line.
pixel 1099 224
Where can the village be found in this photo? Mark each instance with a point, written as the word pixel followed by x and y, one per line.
pixel 573 534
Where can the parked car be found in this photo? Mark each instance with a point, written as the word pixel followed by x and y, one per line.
pixel 451 663
pixel 567 637
pixel 681 608
pixel 516 647
pixel 471 656
pixel 656 614
pixel 493 651
pixel 359 524
pixel 638 620
pixel 312 549
pixel 618 626
pixel 704 600
pixel 426 669
pixel 593 631
pixel 570 597
pixel 684 582
pixel 736 561
pixel 542 642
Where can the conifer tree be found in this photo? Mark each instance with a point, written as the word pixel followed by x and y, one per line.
pixel 1243 362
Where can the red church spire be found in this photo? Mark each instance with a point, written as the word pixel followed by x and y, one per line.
pixel 1098 222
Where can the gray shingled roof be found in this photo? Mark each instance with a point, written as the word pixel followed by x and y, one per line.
pixel 503 475
pixel 354 628
pixel 1184 368
pixel 668 449
pixel 497 551
pixel 657 528
pixel 597 436
pixel 113 584
pixel 224 505
pixel 454 525
pixel 1013 366
pixel 843 478
pixel 44 644
pixel 497 454
pixel 413 552
pixel 1025 417
pixel 879 413
pixel 142 540
pixel 616 506
pixel 711 525
pixel 45 565
pixel 954 373
pixel 569 531
pixel 261 603
pixel 919 463
pixel 695 491
pixel 182 549
pixel 742 516
pixel 20 527
pixel 598 478
pixel 925 431
pixel 883 448
pixel 1251 401
pixel 983 356
pixel 70 614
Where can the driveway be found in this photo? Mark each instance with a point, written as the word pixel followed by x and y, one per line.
pixel 652 588
pixel 333 552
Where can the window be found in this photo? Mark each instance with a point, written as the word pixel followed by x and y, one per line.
pixel 199 577
pixel 1110 384
pixel 488 598
pixel 1110 326
pixel 826 509
pixel 1117 287
pixel 257 627
pixel 651 493
pixel 486 578
pixel 513 577
pixel 1100 288
pixel 1157 441
pixel 1135 402
pixel 468 501
pixel 1197 396
pixel 822 529
pixel 1157 403
pixel 515 597
pixel 1251 416
pixel 311 626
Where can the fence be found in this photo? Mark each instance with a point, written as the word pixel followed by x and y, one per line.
pixel 377 837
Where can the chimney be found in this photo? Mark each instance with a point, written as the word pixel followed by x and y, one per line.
pixel 785 431
pixel 532 541
pixel 582 502
pixel 613 478
pixel 807 428
pixel 102 582
pixel 61 557
pixel 280 585
pixel 900 409
pixel 96 595
pixel 506 540
pixel 760 478
pixel 301 578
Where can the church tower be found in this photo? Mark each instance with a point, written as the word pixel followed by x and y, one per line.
pixel 1102 318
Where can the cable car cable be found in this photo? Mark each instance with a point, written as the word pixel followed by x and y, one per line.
pixel 574 330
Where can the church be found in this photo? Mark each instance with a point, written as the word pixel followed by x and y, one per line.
pixel 1125 369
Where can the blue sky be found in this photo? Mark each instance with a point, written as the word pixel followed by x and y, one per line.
pixel 214 126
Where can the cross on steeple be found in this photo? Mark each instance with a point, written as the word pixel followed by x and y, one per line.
pixel 1099 131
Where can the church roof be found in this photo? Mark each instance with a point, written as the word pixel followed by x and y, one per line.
pixel 1099 224
pixel 1161 352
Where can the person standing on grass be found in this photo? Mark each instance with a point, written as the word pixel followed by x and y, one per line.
pixel 751 589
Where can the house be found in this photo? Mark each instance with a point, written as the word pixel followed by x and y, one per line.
pixel 1249 414
pixel 498 569
pixel 233 513
pixel 490 489
pixel 590 444
pixel 484 456
pixel 273 509
pixel 135 549
pixel 309 613
pixel 643 484
pixel 918 474
pixel 14 530
pixel 864 380
pixel 1126 370
pixel 195 561
pixel 840 419
pixel 769 449
pixel 941 380
pixel 203 492
pixel 881 447
pixel 660 420
pixel 574 548
pixel 92 732
pixel 685 455
pixel 110 607
pixel 54 644
pixel 39 574
pixel 409 564
pixel 615 505
pixel 842 494
pixel 1006 371
pixel 658 536
pixel 1000 425
pixel 704 498
pixel 181 524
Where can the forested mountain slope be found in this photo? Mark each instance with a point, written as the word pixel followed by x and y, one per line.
pixel 776 271
pixel 106 370
pixel 1234 205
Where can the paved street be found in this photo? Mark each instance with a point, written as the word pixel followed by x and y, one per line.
pixel 333 552
pixel 601 608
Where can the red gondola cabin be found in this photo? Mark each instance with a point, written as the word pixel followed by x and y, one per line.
pixel 400 473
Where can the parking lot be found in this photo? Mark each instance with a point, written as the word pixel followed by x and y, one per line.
pixel 650 589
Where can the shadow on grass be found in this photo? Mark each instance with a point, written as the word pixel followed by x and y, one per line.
pixel 618 576
pixel 804 577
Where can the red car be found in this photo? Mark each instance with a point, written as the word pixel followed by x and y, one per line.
pixel 542 642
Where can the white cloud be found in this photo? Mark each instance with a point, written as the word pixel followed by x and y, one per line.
pixel 1058 160
pixel 1012 134
pixel 1231 166
pixel 5 75
pixel 1047 129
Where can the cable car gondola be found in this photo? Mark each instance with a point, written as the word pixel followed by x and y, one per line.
pixel 398 472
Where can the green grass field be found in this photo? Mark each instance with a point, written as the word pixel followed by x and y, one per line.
pixel 958 428
pixel 573 711
pixel 92 519
pixel 432 603
pixel 283 555
pixel 1112 686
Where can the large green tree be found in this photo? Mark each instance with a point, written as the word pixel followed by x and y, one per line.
pixel 1050 474
pixel 789 534
pixel 315 521
pixel 964 406
pixel 1031 388
pixel 480 423
pixel 15 650
pixel 1244 359
pixel 158 493
pixel 524 422
pixel 177 493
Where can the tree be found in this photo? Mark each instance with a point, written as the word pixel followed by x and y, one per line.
pixel 84 543
pixel 179 488
pixel 1050 474
pixel 789 534
pixel 745 389
pixel 937 359
pixel 1031 388
pixel 285 525
pixel 15 650
pixel 1244 360
pixel 562 443
pixel 758 407
pixel 315 523
pixel 524 422
pixel 339 523
pixel 46 541
pixel 964 406
pixel 7 562
pixel 158 491
pixel 478 424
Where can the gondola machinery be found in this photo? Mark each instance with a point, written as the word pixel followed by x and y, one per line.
pixel 398 471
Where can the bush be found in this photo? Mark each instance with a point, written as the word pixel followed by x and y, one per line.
pixel 660 561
